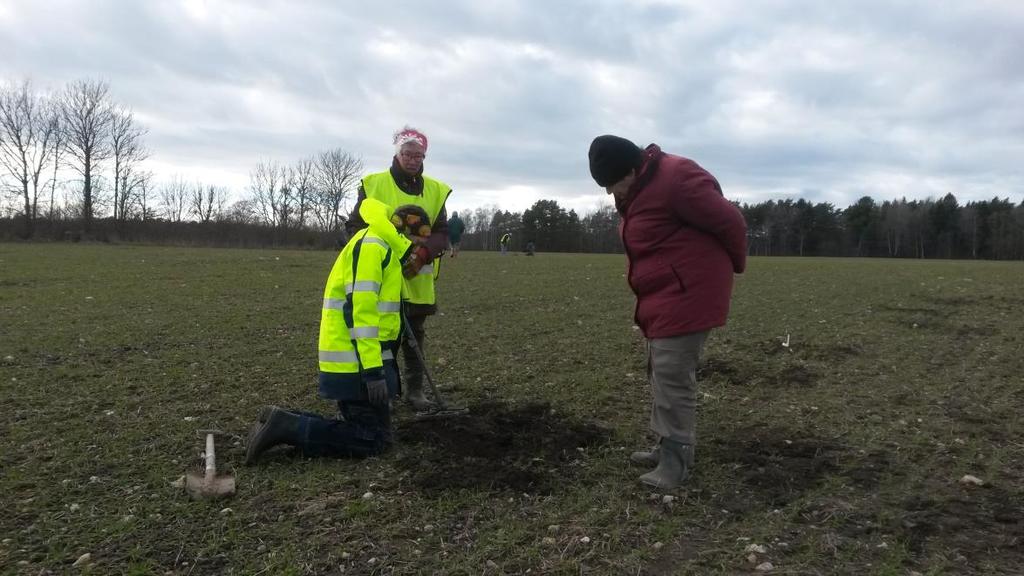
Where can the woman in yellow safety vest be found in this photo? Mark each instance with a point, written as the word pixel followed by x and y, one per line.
pixel 405 183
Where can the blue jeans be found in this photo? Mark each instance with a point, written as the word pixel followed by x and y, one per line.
pixel 364 430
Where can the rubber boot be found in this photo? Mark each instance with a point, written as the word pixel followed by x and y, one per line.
pixel 276 426
pixel 674 463
pixel 415 397
pixel 648 459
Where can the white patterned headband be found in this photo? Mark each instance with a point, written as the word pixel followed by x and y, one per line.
pixel 407 135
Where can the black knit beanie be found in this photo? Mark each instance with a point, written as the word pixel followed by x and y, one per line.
pixel 611 159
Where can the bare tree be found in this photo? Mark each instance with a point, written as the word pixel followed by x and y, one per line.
pixel 134 183
pixel 207 203
pixel 128 151
pixel 482 217
pixel 270 193
pixel 335 175
pixel 300 184
pixel 28 136
pixel 468 220
pixel 174 196
pixel 59 150
pixel 144 199
pixel 86 114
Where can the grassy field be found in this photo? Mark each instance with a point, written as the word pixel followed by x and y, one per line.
pixel 841 453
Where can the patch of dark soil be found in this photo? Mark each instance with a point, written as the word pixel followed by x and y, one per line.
pixel 978 523
pixel 522 448
pixel 948 301
pixel 1007 303
pixel 834 352
pixel 672 555
pixel 921 317
pixel 912 310
pixel 722 369
pixel 772 347
pixel 791 371
pixel 777 465
pixel 867 471
pixel 966 330
pixel 796 374
pixel 809 350
pixel 979 420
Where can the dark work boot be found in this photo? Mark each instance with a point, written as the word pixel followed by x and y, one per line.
pixel 276 426
pixel 648 459
pixel 674 462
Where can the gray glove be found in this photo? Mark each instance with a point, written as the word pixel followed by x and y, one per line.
pixel 377 391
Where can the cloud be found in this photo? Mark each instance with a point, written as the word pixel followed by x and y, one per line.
pixel 778 99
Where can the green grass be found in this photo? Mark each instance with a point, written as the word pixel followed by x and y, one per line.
pixel 840 453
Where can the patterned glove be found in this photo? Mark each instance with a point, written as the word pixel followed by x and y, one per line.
pixel 417 258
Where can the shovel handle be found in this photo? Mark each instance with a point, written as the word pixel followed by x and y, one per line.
pixel 211 463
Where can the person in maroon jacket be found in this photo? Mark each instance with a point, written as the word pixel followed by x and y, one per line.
pixel 684 241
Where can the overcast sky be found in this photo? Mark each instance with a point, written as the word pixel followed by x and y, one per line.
pixel 827 101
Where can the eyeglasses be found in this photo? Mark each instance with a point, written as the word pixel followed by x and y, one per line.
pixel 413 156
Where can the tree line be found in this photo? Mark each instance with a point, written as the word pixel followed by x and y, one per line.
pixel 73 165
pixel 944 228
pixel 988 229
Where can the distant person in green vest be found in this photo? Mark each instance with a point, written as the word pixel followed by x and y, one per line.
pixel 503 243
pixel 404 183
pixel 360 323
pixel 455 230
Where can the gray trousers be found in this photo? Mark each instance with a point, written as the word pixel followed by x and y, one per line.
pixel 672 372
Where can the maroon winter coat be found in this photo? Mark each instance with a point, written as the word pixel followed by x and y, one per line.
pixel 683 243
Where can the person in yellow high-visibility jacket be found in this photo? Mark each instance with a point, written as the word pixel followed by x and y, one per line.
pixel 360 327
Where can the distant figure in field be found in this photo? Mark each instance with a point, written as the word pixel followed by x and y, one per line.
pixel 684 241
pixel 455 229
pixel 360 324
pixel 405 183
pixel 530 248
pixel 503 243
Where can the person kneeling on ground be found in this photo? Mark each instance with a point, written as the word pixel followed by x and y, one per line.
pixel 360 326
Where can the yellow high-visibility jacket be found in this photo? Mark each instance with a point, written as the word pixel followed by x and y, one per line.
pixel 360 322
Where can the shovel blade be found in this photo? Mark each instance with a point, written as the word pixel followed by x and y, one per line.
pixel 201 487
pixel 439 413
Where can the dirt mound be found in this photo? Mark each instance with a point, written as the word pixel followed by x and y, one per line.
pixel 497 447
pixel 975 524
pixel 780 465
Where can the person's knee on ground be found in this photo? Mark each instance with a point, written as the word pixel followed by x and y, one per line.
pixel 365 431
